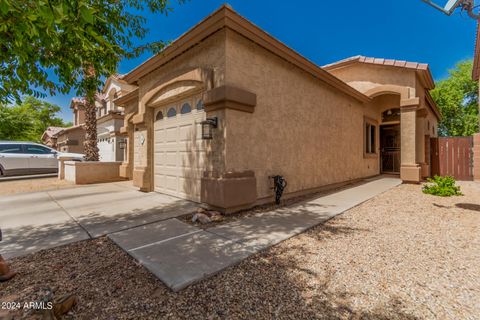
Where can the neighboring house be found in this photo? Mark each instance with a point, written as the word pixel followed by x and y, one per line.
pixel 277 113
pixel 71 139
pixel 110 118
pixel 49 136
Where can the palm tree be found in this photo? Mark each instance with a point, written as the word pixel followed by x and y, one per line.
pixel 90 87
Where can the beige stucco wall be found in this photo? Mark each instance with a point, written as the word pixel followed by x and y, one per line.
pixel 208 55
pixel 77 134
pixel 91 172
pixel 364 77
pixel 301 128
pixel 418 120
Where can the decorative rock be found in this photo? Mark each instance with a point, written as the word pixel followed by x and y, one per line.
pixel 201 210
pixel 216 218
pixel 214 213
pixel 201 217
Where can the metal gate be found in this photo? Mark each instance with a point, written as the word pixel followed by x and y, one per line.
pixel 452 156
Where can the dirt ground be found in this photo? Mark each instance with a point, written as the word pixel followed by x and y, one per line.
pixel 400 255
pixel 31 185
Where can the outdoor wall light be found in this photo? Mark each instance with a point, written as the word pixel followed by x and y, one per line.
pixel 122 144
pixel 207 128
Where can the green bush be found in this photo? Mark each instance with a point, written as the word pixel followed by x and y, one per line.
pixel 442 186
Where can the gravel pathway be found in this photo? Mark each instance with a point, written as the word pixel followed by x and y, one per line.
pixel 401 255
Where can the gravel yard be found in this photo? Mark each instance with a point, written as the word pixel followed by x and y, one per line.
pixel 32 185
pixel 401 255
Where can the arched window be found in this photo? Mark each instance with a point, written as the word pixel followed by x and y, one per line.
pixel 171 112
pixel 200 104
pixel 186 108
pixel 159 116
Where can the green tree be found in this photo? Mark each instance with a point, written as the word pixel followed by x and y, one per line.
pixel 457 99
pixel 50 46
pixel 28 120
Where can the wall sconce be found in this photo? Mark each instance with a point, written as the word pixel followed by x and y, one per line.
pixel 122 144
pixel 207 128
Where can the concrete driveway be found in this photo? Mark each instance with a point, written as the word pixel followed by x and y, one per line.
pixel 34 221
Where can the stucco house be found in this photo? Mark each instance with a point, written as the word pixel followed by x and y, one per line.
pixel 268 111
pixel 49 136
pixel 71 139
pixel 110 117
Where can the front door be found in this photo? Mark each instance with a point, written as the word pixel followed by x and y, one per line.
pixel 390 148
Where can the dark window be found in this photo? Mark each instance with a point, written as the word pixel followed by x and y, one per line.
pixel 186 108
pixel 171 112
pixel 200 105
pixel 370 134
pixel 11 148
pixel 34 149
pixel 159 116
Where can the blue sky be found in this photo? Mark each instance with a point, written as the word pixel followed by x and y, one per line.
pixel 394 29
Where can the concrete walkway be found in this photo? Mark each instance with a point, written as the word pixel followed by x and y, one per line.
pixel 34 221
pixel 180 254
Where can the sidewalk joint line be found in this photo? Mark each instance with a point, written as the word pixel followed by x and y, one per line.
pixel 165 240
pixel 68 214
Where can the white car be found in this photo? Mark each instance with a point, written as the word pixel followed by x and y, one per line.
pixel 20 157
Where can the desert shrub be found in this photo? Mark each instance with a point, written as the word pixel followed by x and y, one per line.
pixel 442 186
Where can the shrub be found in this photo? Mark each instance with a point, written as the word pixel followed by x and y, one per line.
pixel 442 186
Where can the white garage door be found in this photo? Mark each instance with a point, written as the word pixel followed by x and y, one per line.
pixel 179 151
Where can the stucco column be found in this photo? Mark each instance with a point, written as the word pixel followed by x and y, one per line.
pixel 410 171
pixel 420 143
pixel 143 143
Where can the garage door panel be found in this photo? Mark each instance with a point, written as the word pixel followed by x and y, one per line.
pixel 187 132
pixel 188 186
pixel 192 159
pixel 179 154
pixel 171 134
pixel 159 136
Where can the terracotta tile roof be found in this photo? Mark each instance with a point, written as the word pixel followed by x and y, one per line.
pixel 379 61
pixel 64 130
pixel 81 100
pixel 420 67
pixel 51 131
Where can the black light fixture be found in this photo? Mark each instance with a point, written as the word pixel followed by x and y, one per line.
pixel 122 144
pixel 207 128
